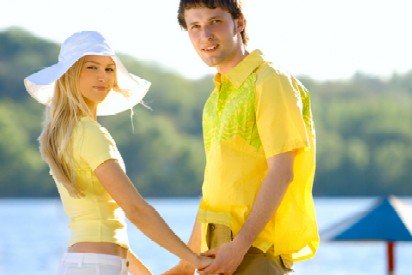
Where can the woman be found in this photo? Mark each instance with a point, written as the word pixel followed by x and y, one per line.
pixel 89 80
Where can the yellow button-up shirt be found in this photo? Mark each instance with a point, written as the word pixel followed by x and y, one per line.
pixel 256 112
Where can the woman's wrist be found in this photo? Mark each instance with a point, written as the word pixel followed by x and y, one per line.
pixel 193 259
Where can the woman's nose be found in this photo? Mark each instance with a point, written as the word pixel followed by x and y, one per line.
pixel 102 76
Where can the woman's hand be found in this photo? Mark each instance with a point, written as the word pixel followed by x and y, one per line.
pixel 182 268
pixel 203 262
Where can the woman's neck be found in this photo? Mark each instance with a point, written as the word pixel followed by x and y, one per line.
pixel 92 110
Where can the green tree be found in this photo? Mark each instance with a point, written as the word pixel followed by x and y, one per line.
pixel 363 125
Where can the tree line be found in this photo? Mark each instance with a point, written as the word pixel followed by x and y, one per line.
pixel 363 124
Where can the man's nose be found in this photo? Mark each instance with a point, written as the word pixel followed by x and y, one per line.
pixel 206 32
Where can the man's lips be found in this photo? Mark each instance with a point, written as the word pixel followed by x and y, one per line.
pixel 210 48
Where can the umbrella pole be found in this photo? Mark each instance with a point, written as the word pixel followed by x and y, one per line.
pixel 391 258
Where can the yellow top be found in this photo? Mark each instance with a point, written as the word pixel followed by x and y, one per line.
pixel 95 217
pixel 256 112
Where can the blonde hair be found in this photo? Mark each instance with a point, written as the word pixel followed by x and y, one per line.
pixel 63 114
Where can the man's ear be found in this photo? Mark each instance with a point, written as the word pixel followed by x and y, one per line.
pixel 240 24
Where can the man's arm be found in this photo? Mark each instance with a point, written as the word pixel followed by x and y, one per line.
pixel 280 173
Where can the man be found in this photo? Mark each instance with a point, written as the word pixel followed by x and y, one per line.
pixel 256 215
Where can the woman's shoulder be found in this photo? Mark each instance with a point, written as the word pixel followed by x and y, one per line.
pixel 89 128
pixel 92 143
pixel 87 121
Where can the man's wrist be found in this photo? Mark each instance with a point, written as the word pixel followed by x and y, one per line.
pixel 242 244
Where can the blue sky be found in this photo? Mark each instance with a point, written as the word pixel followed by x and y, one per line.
pixel 323 39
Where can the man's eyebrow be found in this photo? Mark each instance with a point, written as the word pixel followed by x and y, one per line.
pixel 214 17
pixel 193 23
pixel 209 19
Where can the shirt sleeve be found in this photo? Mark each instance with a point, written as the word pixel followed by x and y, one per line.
pixel 279 115
pixel 95 144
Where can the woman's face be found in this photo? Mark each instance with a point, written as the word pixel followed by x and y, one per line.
pixel 97 77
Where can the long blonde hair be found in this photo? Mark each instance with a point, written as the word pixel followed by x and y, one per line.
pixel 62 116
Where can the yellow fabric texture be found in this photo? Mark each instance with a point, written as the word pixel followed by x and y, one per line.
pixel 95 217
pixel 256 112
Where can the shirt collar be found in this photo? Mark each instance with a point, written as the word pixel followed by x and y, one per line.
pixel 241 71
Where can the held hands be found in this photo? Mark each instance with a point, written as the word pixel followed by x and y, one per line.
pixel 224 259
pixel 204 262
pixel 227 259
pixel 184 268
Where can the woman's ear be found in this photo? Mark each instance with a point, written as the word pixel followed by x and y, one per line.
pixel 115 86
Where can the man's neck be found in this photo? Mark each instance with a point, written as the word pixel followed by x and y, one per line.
pixel 234 61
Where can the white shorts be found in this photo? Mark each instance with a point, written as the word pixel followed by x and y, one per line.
pixel 92 264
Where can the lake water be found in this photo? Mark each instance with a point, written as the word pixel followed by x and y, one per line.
pixel 34 234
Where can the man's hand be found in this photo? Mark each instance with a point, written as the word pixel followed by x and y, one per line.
pixel 182 268
pixel 227 258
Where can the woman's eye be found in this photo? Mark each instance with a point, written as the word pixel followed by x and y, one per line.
pixel 92 67
pixel 109 70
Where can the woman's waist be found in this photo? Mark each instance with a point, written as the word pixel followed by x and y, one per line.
pixel 99 248
pixel 99 232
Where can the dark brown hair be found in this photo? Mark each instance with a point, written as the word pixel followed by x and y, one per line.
pixel 234 7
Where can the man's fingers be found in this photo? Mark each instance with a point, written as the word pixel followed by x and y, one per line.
pixel 210 253
pixel 214 267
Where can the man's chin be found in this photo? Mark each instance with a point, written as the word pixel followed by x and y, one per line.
pixel 209 62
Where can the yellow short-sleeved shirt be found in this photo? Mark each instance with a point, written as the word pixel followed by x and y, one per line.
pixel 95 217
pixel 256 112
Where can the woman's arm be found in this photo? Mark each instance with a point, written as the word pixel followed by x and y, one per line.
pixel 136 267
pixel 183 267
pixel 142 214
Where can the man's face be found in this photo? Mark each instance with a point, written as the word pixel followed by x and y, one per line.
pixel 215 35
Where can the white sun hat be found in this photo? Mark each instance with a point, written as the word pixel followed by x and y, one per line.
pixel 40 85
